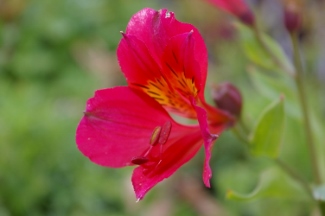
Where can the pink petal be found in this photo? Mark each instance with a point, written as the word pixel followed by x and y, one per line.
pixel 136 61
pixel 155 29
pixel 178 150
pixel 217 117
pixel 208 140
pixel 118 125
pixel 179 60
pixel 164 58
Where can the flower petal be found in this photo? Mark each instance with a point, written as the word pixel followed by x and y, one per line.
pixel 178 150
pixel 217 116
pixel 208 140
pixel 179 59
pixel 155 28
pixel 136 61
pixel 118 125
pixel 165 58
pixel 181 78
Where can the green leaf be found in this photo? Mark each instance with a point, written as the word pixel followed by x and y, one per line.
pixel 271 85
pixel 273 183
pixel 267 135
pixel 257 54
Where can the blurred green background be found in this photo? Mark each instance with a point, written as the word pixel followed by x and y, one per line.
pixel 53 56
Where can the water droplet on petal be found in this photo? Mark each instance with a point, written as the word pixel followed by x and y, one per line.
pixel 167 15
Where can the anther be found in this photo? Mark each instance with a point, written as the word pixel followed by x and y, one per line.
pixel 139 160
pixel 165 131
pixel 155 136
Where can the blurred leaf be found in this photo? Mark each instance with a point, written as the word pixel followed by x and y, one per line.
pixel 271 85
pixel 267 134
pixel 273 184
pixel 255 52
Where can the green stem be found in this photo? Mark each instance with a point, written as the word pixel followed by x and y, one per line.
pixel 322 207
pixel 268 51
pixel 304 106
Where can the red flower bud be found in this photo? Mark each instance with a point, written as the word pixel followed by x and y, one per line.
pixel 237 8
pixel 228 98
pixel 292 15
pixel 247 18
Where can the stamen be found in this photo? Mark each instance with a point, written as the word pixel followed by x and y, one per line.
pixel 155 136
pixel 165 131
pixel 139 160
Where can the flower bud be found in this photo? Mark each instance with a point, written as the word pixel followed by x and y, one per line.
pixel 228 98
pixel 247 18
pixel 292 15
pixel 237 8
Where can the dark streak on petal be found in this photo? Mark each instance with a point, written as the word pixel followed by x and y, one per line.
pixel 157 98
pixel 171 69
pixel 155 85
pixel 174 55
pixel 139 85
pixel 180 82
pixel 154 93
pixel 160 82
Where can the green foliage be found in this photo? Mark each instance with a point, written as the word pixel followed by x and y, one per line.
pixel 273 183
pixel 268 133
pixel 256 54
pixel 271 85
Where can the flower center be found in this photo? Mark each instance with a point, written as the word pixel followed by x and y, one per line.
pixel 173 94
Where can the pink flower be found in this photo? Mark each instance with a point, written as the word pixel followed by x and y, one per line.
pixel 165 65
pixel 237 8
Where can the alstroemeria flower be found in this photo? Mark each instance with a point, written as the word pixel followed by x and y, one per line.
pixel 165 64
pixel 168 61
pixel 237 8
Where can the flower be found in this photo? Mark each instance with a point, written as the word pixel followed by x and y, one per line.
pixel 237 8
pixel 165 65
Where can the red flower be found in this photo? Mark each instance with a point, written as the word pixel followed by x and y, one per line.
pixel 165 64
pixel 237 8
